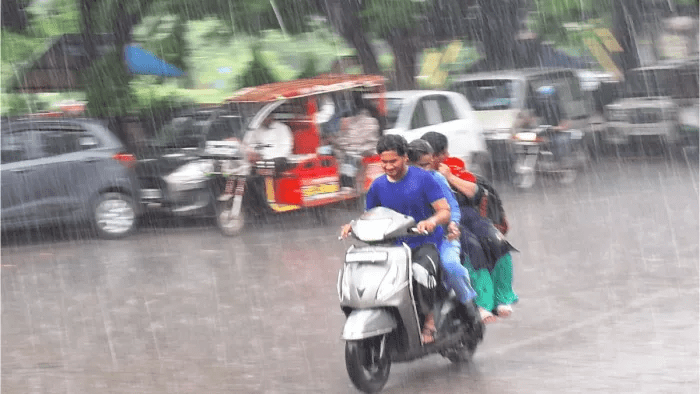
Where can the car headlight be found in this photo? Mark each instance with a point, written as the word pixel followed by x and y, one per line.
pixel 190 174
pixel 526 136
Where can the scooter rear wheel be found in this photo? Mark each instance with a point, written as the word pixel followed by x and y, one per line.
pixel 367 367
pixel 460 355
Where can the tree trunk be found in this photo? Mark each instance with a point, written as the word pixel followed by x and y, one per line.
pixel 624 20
pixel 14 17
pixel 499 27
pixel 344 16
pixel 404 48
pixel 123 25
pixel 88 34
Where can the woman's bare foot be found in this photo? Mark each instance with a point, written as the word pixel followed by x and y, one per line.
pixel 486 316
pixel 504 310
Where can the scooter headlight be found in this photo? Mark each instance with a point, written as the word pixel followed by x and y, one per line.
pixel 387 287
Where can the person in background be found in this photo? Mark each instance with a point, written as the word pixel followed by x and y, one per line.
pixel 357 138
pixel 273 139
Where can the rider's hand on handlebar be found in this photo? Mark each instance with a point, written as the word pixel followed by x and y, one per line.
pixel 427 225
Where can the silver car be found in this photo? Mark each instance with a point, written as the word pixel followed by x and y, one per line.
pixel 60 171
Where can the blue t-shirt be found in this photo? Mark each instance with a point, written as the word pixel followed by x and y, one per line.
pixel 411 196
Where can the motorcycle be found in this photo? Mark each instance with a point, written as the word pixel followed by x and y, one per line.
pixel 229 172
pixel 546 151
pixel 375 288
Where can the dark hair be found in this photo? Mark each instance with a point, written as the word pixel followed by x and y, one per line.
pixel 418 148
pixel 393 142
pixel 437 140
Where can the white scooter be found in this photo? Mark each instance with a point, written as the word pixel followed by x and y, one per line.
pixel 375 288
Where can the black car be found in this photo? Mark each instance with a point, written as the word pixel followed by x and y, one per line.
pixel 61 171
pixel 170 169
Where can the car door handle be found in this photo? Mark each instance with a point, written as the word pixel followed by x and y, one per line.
pixel 20 171
pixel 90 160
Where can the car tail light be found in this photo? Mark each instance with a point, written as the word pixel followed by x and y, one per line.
pixel 126 159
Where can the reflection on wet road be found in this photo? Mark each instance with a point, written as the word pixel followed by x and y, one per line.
pixel 607 277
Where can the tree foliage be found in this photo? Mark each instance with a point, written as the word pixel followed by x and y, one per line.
pixel 310 67
pixel 257 72
pixel 107 87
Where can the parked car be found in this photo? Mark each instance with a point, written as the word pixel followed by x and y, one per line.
pixel 178 146
pixel 62 171
pixel 660 101
pixel 412 113
pixel 501 98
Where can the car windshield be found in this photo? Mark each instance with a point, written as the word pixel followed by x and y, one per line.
pixel 393 106
pixel 489 94
pixel 648 83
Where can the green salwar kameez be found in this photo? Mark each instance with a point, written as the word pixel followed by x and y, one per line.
pixel 496 287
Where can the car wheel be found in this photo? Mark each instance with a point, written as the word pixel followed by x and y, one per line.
pixel 114 215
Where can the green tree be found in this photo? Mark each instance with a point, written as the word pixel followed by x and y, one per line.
pixel 310 67
pixel 257 72
pixel 398 21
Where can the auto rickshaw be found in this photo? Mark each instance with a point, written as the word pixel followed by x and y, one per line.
pixel 311 176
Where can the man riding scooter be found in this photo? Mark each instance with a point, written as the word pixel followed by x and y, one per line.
pixel 412 192
pixel 552 116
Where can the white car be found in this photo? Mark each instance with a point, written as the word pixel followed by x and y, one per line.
pixel 412 113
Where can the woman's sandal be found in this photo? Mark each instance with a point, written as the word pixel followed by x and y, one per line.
pixel 504 310
pixel 486 316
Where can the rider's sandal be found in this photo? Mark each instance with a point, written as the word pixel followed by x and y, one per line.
pixel 486 316
pixel 504 310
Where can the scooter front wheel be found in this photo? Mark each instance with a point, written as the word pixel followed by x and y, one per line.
pixel 230 223
pixel 368 363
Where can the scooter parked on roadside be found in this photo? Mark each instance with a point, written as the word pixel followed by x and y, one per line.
pixel 375 288
pixel 547 151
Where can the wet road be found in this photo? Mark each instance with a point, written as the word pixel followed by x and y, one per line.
pixel 607 277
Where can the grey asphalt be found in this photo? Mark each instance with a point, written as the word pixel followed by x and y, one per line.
pixel 607 278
